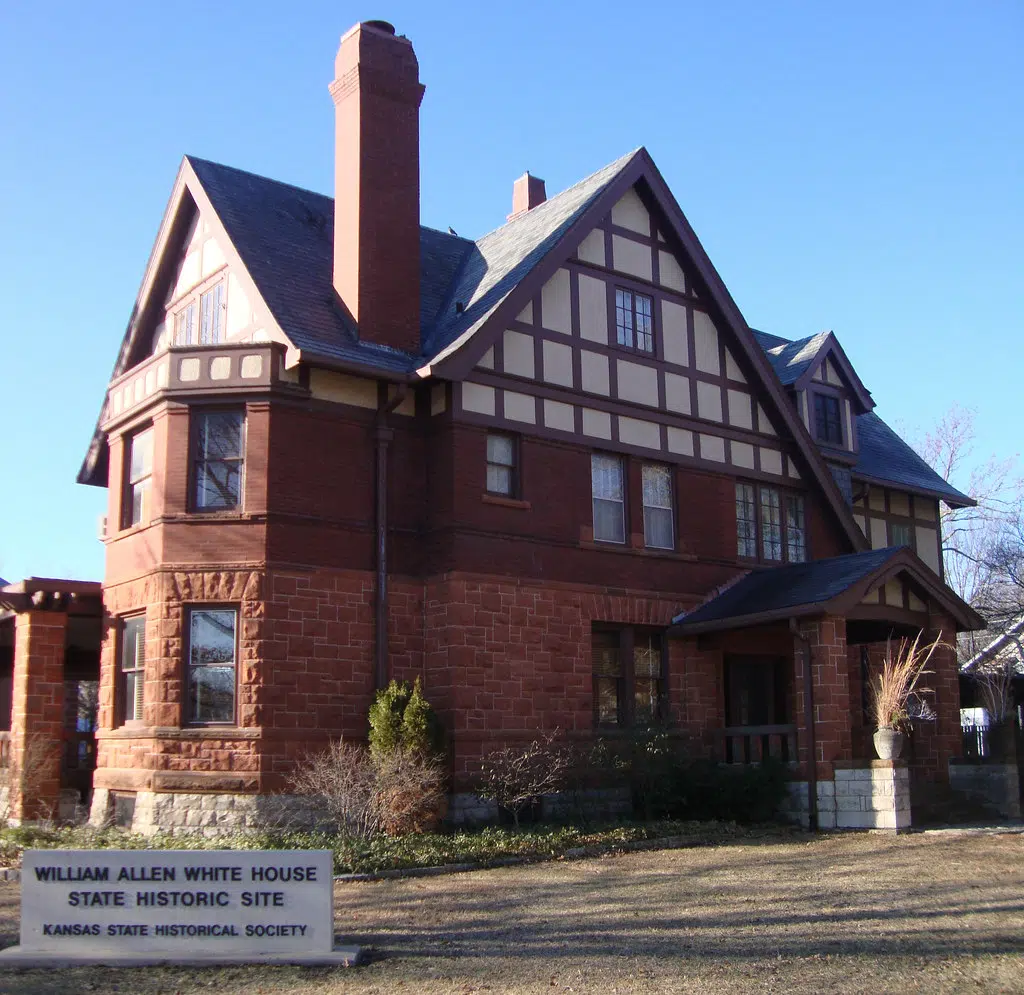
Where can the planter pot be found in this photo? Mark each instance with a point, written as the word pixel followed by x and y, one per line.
pixel 888 743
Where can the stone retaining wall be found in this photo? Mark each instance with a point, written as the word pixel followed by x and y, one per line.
pixel 996 786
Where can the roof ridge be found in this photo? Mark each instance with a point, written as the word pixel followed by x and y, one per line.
pixel 258 176
pixel 617 164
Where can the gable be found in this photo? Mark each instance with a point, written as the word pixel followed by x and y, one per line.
pixel 558 367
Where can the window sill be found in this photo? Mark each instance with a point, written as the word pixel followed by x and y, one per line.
pixel 618 547
pixel 506 502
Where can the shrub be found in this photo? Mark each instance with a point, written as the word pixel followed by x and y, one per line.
pixel 343 780
pixel 744 793
pixel 401 717
pixel 410 791
pixel 517 777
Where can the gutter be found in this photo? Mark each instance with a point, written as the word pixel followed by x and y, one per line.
pixel 812 746
pixel 382 436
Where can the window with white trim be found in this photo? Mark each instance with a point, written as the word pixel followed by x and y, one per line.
pixel 140 473
pixel 609 498
pixel 659 532
pixel 133 667
pixel 501 465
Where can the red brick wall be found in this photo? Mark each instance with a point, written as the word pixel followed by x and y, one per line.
pixel 831 693
pixel 37 713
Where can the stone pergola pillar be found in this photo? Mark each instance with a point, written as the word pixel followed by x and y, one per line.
pixel 37 714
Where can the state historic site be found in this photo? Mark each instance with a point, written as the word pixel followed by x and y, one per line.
pixel 481 598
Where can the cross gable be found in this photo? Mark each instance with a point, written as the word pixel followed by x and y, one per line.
pixel 701 388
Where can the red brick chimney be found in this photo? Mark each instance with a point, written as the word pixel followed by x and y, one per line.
pixel 377 96
pixel 527 193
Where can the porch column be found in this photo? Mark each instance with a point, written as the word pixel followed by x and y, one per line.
pixel 37 714
pixel 830 694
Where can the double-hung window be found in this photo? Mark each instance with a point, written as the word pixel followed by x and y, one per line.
pixel 140 472
pixel 828 423
pixel 628 676
pixel 658 510
pixel 609 495
pixel 133 667
pixel 770 524
pixel 501 465
pixel 634 324
pixel 212 652
pixel 218 446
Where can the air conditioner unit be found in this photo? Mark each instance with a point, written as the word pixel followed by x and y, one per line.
pixel 101 527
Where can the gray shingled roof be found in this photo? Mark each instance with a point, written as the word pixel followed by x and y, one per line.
pixel 785 588
pixel 883 456
pixel 790 359
pixel 501 259
pixel 285 236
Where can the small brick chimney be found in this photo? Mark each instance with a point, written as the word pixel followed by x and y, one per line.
pixel 527 193
pixel 377 96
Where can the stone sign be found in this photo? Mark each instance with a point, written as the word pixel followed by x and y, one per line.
pixel 136 906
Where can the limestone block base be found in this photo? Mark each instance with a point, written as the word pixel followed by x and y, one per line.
pixel 874 794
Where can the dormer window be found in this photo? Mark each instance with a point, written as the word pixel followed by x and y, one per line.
pixel 828 422
pixel 201 322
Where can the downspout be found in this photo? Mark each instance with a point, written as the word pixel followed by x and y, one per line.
pixel 812 746
pixel 382 436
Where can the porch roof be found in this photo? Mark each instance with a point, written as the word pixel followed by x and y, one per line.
pixel 830 586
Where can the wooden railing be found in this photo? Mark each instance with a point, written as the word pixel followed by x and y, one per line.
pixel 750 744
pixel 5 748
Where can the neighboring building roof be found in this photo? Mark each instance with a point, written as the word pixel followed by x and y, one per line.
pixel 1013 636
pixel 799 589
pixel 883 457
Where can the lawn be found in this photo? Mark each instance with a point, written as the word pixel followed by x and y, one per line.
pixel 843 913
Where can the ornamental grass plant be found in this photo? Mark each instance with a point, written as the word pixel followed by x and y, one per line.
pixel 891 687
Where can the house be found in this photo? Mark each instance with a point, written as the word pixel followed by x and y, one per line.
pixel 552 472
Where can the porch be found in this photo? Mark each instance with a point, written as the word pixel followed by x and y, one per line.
pixel 786 655
pixel 50 636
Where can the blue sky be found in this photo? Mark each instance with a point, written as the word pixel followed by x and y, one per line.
pixel 853 167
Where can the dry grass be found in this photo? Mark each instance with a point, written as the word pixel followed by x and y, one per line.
pixel 845 913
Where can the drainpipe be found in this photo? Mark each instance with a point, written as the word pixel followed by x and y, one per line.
pixel 812 746
pixel 382 436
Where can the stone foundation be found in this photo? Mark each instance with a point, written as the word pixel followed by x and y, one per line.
pixel 149 812
pixel 795 807
pixel 996 786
